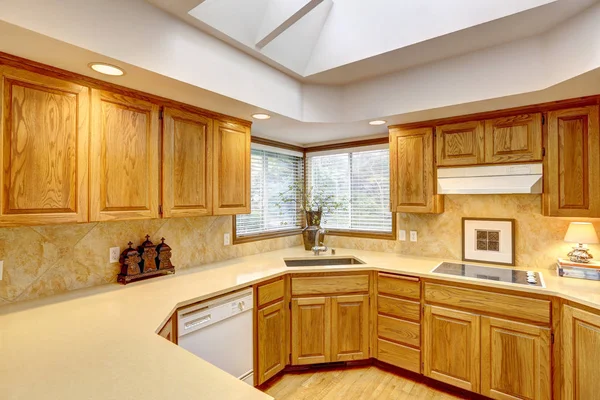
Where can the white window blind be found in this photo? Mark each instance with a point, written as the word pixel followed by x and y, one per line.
pixel 273 171
pixel 358 178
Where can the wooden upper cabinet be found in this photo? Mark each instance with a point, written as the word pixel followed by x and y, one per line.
pixel 451 347
pixel 350 327
pixel 412 172
pixel 187 164
pixel 271 351
pixel 231 173
pixel 124 162
pixel 460 144
pixel 572 173
pixel 580 346
pixel 515 360
pixel 311 330
pixel 513 139
pixel 45 134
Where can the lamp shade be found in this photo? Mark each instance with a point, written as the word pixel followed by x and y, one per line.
pixel 581 232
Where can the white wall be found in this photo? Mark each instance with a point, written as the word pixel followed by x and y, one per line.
pixel 349 34
pixel 138 33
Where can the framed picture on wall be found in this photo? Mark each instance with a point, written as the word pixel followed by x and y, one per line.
pixel 489 240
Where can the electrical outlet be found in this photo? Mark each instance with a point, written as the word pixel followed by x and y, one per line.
pixel 1 269
pixel 402 235
pixel 114 254
pixel 226 239
pixel 413 236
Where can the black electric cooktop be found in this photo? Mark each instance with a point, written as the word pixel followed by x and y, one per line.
pixel 508 275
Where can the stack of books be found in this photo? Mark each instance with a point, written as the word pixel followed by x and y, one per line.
pixel 572 269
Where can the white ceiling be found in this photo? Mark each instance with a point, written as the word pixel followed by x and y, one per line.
pixel 510 53
pixel 342 41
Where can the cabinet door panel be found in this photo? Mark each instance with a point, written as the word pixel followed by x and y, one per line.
pixel 513 139
pixel 311 330
pixel 451 348
pixel 271 339
pixel 460 144
pixel 45 149
pixel 187 164
pixel 350 328
pixel 572 180
pixel 412 172
pixel 232 169
pixel 581 346
pixel 124 159
pixel 515 360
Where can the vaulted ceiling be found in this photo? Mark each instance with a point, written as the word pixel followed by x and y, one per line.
pixel 323 68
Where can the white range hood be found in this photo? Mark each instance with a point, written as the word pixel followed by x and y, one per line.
pixel 496 179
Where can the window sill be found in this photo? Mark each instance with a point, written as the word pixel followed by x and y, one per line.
pixel 264 236
pixel 363 234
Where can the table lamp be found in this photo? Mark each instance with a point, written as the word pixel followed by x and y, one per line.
pixel 582 233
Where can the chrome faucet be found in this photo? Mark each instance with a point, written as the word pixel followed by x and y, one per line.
pixel 317 248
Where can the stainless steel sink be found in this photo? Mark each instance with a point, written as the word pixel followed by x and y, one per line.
pixel 321 261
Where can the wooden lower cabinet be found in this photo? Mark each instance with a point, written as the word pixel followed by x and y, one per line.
pixel 168 331
pixel 329 329
pixel 271 353
pixel 515 360
pixel 311 330
pixel 350 327
pixel 451 351
pixel 581 347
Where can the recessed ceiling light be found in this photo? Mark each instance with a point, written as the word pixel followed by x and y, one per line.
pixel 377 122
pixel 261 116
pixel 106 69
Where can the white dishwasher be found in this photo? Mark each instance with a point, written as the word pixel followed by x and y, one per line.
pixel 220 331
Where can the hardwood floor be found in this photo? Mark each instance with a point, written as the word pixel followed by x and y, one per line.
pixel 359 383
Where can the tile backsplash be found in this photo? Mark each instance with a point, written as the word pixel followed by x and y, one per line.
pixel 538 239
pixel 44 260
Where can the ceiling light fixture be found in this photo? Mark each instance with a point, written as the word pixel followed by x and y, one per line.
pixel 106 69
pixel 261 116
pixel 377 122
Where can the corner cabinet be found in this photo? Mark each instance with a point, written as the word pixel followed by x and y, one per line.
pixel 330 318
pixel 413 186
pixel 124 163
pixel 581 346
pixel 231 173
pixel 187 164
pixel 572 169
pixel 45 139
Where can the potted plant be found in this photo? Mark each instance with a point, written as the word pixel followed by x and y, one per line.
pixel 312 202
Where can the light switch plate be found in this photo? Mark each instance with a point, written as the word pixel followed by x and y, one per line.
pixel 1 269
pixel 413 236
pixel 115 252
pixel 402 235
pixel 226 239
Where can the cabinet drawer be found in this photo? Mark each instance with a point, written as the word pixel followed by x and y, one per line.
pixel 270 292
pixel 488 302
pixel 398 355
pixel 330 284
pixel 399 308
pixel 399 330
pixel 399 285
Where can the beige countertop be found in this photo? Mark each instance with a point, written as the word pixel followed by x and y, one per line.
pixel 100 343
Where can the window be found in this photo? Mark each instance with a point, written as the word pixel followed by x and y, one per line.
pixel 273 171
pixel 359 178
